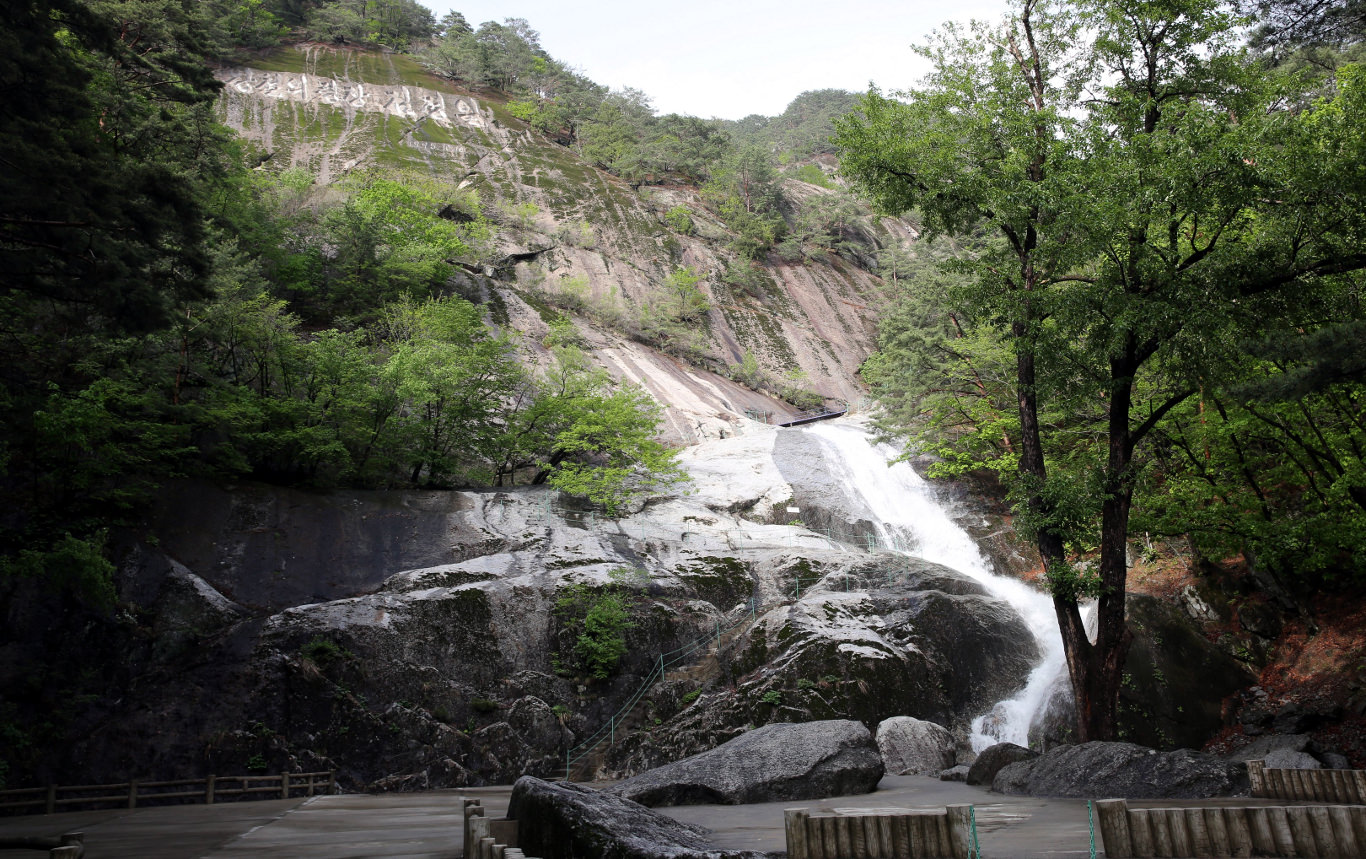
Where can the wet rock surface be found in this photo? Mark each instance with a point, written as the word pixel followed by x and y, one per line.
pixel 812 760
pixel 1123 771
pixel 911 746
pixel 564 821
pixel 990 761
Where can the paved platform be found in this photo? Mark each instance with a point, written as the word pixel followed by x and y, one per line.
pixel 428 825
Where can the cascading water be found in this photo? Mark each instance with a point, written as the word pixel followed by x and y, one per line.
pixel 906 513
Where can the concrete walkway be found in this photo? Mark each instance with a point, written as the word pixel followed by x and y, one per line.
pixel 427 825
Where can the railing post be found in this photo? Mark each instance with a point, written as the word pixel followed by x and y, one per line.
pixel 331 782
pixel 794 825
pixel 1256 777
pixel 133 794
pixel 51 798
pixel 284 785
pixel 612 725
pixel 208 789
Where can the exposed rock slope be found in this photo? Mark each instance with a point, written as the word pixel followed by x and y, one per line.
pixel 333 110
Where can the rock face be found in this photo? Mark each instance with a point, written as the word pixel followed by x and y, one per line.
pixel 1178 678
pixel 566 821
pixel 910 746
pixel 411 640
pixel 1123 771
pixel 1285 759
pixel 992 759
pixel 871 638
pixel 1176 683
pixel 813 760
pixel 589 227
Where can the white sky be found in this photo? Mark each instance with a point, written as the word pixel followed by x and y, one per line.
pixel 732 58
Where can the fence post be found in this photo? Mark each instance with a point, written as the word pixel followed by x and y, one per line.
pixel 959 828
pixel 331 782
pixel 133 794
pixel 1113 815
pixel 51 798
pixel 284 785
pixel 208 789
pixel 612 726
pixel 794 822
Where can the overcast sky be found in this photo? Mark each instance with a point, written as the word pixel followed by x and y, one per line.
pixel 732 58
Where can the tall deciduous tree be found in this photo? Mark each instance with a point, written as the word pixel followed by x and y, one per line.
pixel 1132 165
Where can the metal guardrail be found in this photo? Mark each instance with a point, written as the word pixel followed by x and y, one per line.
pixel 607 733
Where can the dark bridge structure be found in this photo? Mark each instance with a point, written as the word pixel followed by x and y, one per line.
pixel 812 416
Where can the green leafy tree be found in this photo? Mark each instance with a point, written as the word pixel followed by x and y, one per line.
pixel 1119 152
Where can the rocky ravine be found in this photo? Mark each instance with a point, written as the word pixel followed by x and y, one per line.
pixel 411 639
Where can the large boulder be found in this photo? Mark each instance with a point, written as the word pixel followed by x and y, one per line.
pixel 1176 678
pixel 560 821
pixel 911 746
pixel 811 760
pixel 1259 748
pixel 993 758
pixel 1285 759
pixel 1123 771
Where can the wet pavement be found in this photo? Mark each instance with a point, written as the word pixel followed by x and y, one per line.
pixel 427 825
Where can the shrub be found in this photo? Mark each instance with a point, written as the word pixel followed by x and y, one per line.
pixel 679 219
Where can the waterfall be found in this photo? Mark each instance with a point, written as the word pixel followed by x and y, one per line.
pixel 905 512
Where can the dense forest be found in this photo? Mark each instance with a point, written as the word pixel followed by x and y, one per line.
pixel 1188 365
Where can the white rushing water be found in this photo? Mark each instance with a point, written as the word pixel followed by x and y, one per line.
pixel 907 513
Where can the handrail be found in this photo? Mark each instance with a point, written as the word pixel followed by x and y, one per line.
pixel 130 793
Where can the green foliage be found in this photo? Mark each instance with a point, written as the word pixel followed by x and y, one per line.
pixel 324 652
pixel 689 302
pixel 812 175
pixel 598 619
pixel 71 565
pixel 772 697
pixel 483 705
pixel 1130 239
pixel 690 697
pixel 679 219
pixel 748 372
pixel 745 192
pixel 804 129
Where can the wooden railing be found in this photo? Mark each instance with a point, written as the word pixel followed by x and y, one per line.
pixel 131 794
pixel 1347 786
pixel 1308 831
pixel 948 832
